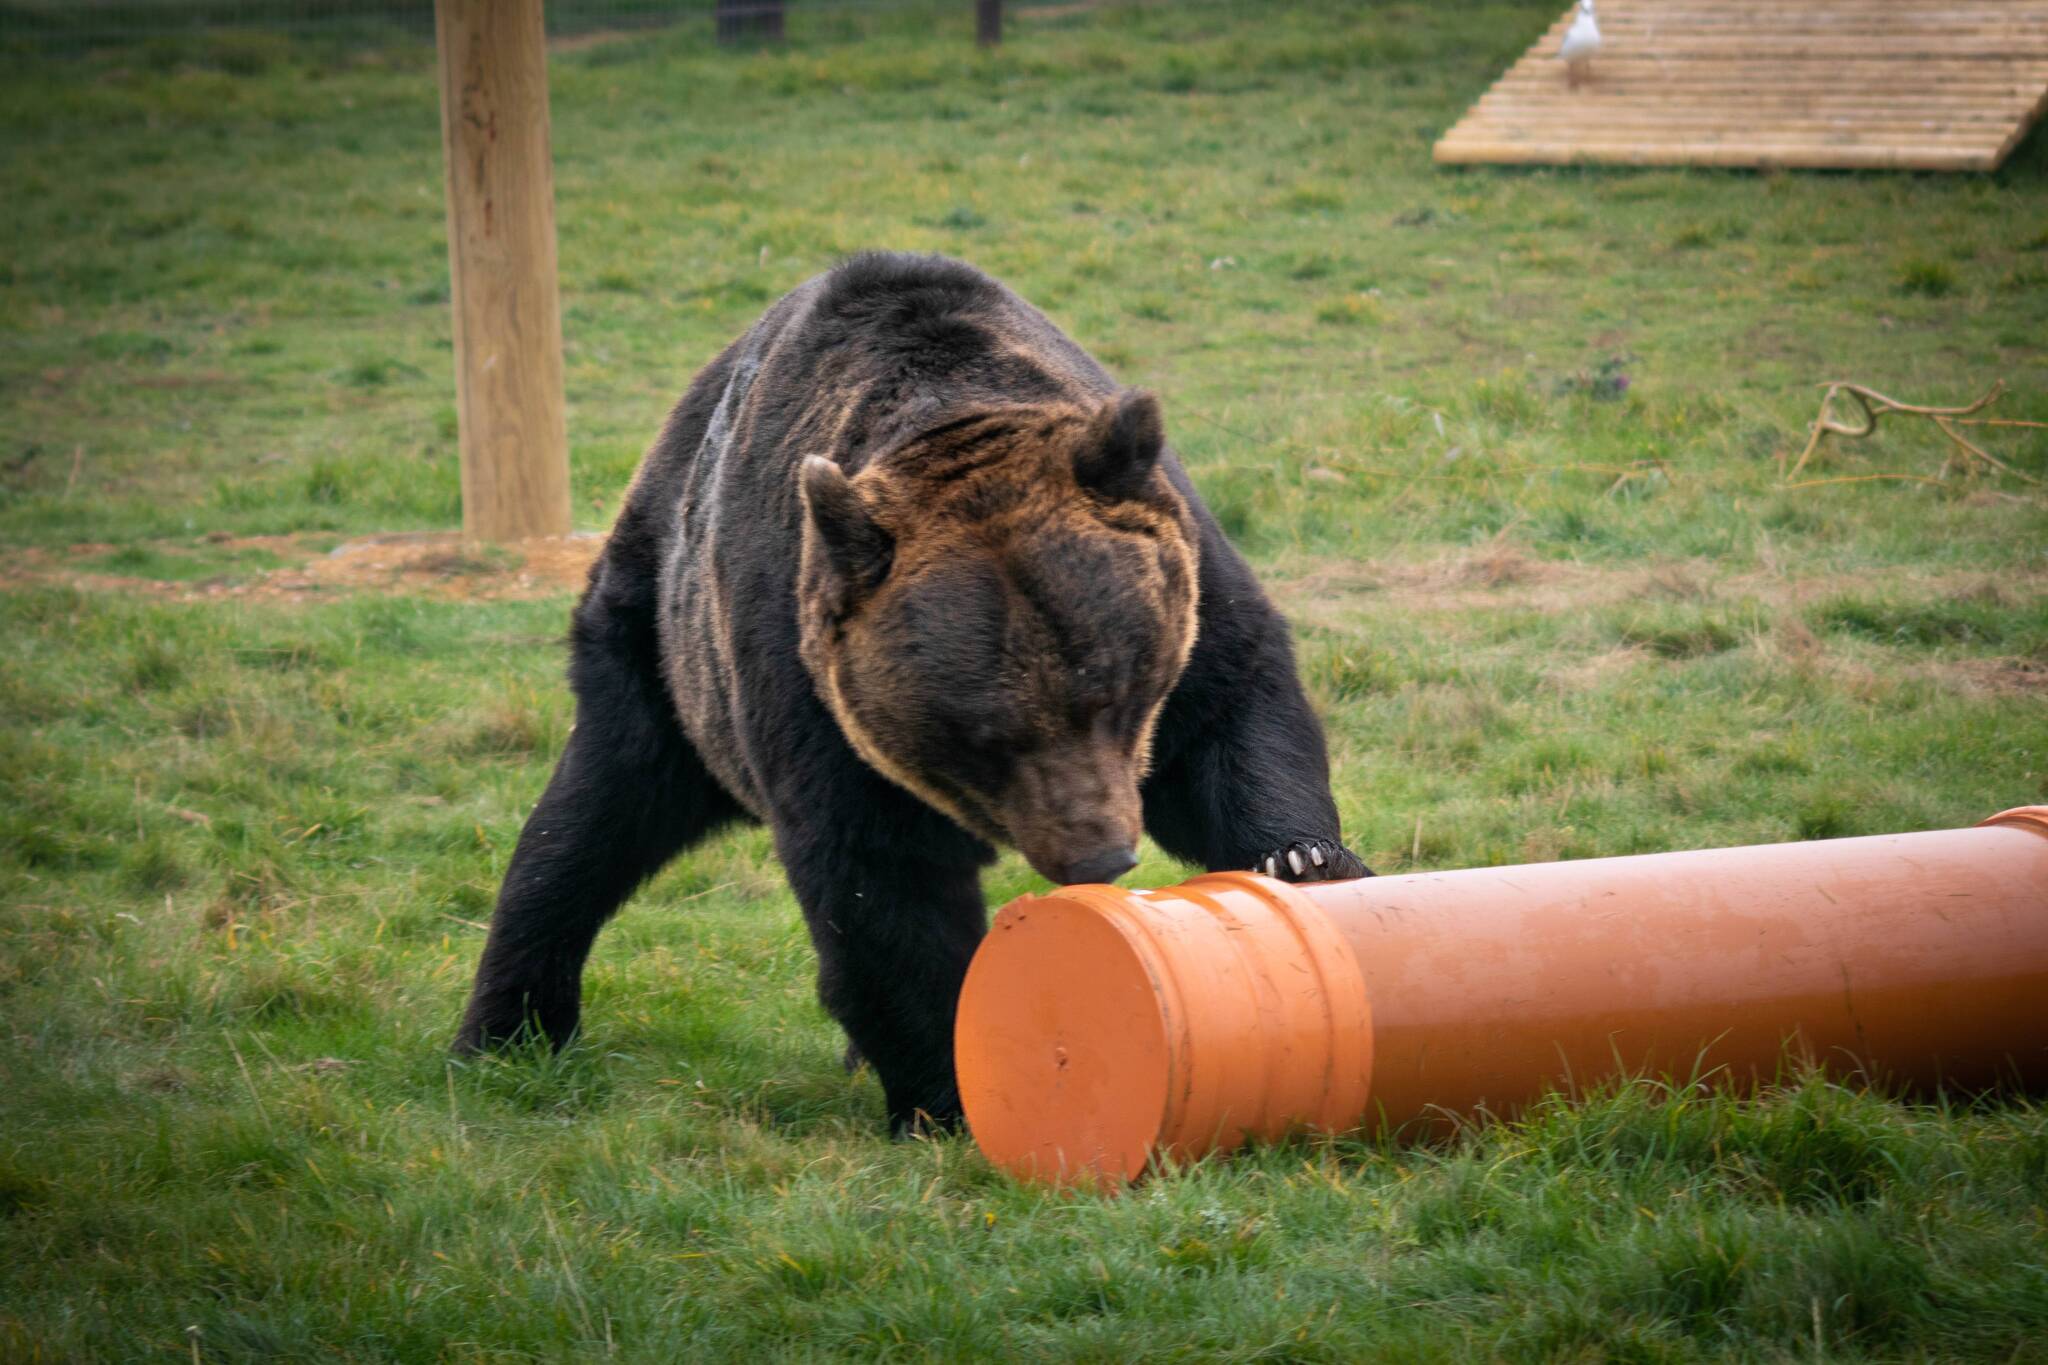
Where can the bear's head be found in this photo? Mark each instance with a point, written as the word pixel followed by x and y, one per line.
pixel 996 610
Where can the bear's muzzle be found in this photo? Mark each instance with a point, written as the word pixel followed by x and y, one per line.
pixel 1074 813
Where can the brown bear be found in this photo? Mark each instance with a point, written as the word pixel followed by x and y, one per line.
pixel 907 576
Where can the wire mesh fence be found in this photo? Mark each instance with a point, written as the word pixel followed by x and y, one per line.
pixel 74 27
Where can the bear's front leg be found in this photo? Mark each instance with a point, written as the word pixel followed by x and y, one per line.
pixel 1241 780
pixel 894 931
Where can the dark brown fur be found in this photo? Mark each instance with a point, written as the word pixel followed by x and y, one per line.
pixel 907 576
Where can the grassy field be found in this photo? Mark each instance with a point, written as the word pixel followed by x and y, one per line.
pixel 1509 448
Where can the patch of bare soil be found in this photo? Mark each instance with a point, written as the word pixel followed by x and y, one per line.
pixel 442 564
pixel 1494 567
pixel 1499 576
pixel 1476 576
pixel 429 564
pixel 1333 591
pixel 2009 677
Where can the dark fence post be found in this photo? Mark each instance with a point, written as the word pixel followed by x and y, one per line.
pixel 988 22
pixel 741 21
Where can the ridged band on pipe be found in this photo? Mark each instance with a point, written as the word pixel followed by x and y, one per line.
pixel 1296 1049
pixel 1137 1025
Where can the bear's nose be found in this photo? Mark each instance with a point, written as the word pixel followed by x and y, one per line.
pixel 1105 866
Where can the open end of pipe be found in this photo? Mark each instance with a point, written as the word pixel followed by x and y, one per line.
pixel 1100 1029
pixel 1062 1044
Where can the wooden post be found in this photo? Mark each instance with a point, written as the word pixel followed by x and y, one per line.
pixel 988 22
pixel 742 21
pixel 501 268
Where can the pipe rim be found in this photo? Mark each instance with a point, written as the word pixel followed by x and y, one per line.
pixel 1148 1026
pixel 2034 818
pixel 1063 1044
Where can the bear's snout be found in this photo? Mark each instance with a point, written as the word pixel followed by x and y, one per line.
pixel 1075 814
pixel 1105 866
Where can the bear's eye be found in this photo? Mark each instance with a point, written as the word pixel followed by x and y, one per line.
pixel 982 733
pixel 1090 694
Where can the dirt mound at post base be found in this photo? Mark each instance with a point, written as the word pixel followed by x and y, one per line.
pixel 426 563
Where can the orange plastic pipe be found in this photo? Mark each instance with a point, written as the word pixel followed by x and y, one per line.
pixel 1100 1028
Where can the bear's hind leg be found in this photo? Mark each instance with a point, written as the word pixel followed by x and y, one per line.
pixel 629 793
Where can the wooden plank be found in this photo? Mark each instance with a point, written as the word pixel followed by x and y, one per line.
pixel 1737 150
pixel 1695 154
pixel 1754 111
pixel 1934 24
pixel 1956 87
pixel 1763 11
pixel 1539 107
pixel 1932 85
pixel 1851 83
pixel 1817 25
pixel 1830 17
pixel 1535 108
pixel 1736 18
pixel 501 268
pixel 1838 72
pixel 1987 44
pixel 1722 137
pixel 1833 71
pixel 1595 97
pixel 1808 132
pixel 1539 103
pixel 1592 103
pixel 1725 137
pixel 1605 84
pixel 1936 20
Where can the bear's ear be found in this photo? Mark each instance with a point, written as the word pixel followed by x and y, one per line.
pixel 1122 448
pixel 856 549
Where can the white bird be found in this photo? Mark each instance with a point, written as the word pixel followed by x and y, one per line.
pixel 1581 41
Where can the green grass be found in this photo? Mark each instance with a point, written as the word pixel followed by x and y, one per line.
pixel 246 841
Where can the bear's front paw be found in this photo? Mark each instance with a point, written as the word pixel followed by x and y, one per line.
pixel 1313 860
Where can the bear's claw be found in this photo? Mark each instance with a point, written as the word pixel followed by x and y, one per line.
pixel 1312 860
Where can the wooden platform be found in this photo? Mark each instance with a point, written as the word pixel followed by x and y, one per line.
pixel 1872 84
